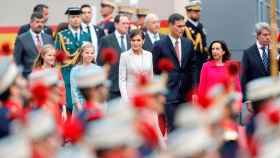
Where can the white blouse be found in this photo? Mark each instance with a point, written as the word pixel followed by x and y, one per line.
pixel 130 65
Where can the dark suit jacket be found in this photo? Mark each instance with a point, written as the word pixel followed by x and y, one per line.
pixel 99 32
pixel 182 78
pixel 110 41
pixel 25 51
pixel 253 67
pixel 148 45
pixel 107 26
pixel 26 27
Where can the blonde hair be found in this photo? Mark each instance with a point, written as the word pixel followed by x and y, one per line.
pixel 39 62
pixel 78 57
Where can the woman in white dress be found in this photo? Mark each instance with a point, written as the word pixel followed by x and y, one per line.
pixel 132 63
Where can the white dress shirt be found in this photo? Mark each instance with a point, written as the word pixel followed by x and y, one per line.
pixel 173 40
pixel 131 64
pixel 260 49
pixel 93 35
pixel 34 37
pixel 78 31
pixel 195 23
pixel 118 35
pixel 152 36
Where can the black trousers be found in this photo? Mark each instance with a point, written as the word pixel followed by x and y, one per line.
pixel 170 113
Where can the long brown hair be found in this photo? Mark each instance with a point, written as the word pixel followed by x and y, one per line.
pixel 78 57
pixel 224 47
pixel 39 62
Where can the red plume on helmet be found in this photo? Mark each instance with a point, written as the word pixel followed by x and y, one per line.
pixel 140 101
pixel 233 67
pixel 73 129
pixel 40 93
pixel 204 102
pixel 61 56
pixel 272 113
pixel 142 79
pixel 148 132
pixel 6 49
pixel 165 65
pixel 109 56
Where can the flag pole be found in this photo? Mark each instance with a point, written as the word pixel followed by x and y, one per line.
pixel 274 48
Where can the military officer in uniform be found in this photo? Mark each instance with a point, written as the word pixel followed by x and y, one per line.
pixel 141 15
pixel 195 31
pixel 69 40
pixel 107 23
pixel 129 12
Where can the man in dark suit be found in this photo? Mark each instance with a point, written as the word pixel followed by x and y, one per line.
pixel 152 34
pixel 96 33
pixel 43 9
pixel 28 44
pixel 256 59
pixel 119 41
pixel 184 75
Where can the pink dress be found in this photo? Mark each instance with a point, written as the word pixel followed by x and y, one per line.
pixel 212 74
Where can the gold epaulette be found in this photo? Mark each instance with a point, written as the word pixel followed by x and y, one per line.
pixel 73 56
pixel 62 44
pixel 197 42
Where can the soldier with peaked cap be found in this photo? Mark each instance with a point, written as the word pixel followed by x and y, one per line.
pixel 55 101
pixel 141 13
pixel 261 93
pixel 92 85
pixel 129 12
pixel 267 130
pixel 151 110
pixel 107 23
pixel 69 40
pixel 113 138
pixel 195 31
pixel 42 131
pixel 13 87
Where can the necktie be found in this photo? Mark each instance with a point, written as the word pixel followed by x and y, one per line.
pixel 38 43
pixel 155 38
pixel 122 44
pixel 265 59
pixel 76 37
pixel 177 51
pixel 89 32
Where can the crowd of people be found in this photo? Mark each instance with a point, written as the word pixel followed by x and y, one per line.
pixel 119 88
